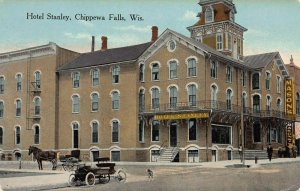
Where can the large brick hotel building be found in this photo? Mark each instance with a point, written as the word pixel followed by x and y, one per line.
pixel 175 98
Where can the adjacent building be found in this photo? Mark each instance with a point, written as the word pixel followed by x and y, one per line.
pixel 174 98
pixel 29 98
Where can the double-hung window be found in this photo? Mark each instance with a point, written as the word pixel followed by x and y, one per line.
pixel 76 79
pixel 192 67
pixel 229 74
pixel 155 72
pixel 115 74
pixel 2 80
pixel 219 41
pixel 19 82
pixel 95 77
pixel 173 69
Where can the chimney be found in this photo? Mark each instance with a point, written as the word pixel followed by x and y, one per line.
pixel 104 43
pixel 93 44
pixel 154 33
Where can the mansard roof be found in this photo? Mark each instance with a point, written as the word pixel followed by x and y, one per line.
pixel 109 56
pixel 259 61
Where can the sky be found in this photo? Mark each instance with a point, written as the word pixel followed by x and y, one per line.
pixel 273 25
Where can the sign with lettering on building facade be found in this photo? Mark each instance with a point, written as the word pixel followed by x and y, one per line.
pixel 290 110
pixel 181 116
pixel 289 97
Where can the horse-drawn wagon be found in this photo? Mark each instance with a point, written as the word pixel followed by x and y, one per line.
pixel 103 171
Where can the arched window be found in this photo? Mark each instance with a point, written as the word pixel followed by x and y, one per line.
pixel 155 71
pixel 115 131
pixel 37 79
pixel 279 104
pixel 1 136
pixel 115 100
pixel 268 80
pixel 256 132
pixel 155 130
pixel 95 132
pixel 18 107
pixel 142 100
pixel 256 103
pixel 115 74
pixel 209 15
pixel 95 73
pixel 95 102
pixel 36 134
pixel 298 103
pixel 173 97
pixel 279 84
pixel 173 69
pixel 214 99
pixel 155 98
pixel 75 104
pixel 1 109
pixel 192 67
pixel 192 95
pixel 214 69
pixel 2 80
pixel 255 81
pixel 19 82
pixel 37 106
pixel 75 129
pixel 192 129
pixel 141 73
pixel 229 99
pixel 268 106
pixel 18 135
pixel 245 102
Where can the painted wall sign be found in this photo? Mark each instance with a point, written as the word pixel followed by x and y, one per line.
pixel 181 116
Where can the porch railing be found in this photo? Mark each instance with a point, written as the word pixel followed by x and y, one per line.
pixel 215 106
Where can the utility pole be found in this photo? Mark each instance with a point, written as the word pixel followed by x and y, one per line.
pixel 242 120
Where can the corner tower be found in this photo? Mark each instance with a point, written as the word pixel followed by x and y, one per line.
pixel 217 28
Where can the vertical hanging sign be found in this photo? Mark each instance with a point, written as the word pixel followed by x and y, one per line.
pixel 290 110
pixel 289 97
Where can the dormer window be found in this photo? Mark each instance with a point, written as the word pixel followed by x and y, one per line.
pixel 209 15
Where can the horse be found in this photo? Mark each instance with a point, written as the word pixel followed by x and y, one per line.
pixel 40 155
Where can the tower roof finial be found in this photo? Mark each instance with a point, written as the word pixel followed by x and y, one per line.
pixel 292 60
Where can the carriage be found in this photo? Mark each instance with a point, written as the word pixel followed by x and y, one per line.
pixel 69 162
pixel 103 171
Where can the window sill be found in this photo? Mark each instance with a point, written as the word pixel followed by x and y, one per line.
pixel 94 111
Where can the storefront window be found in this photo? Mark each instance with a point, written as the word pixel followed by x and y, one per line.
pixel 221 134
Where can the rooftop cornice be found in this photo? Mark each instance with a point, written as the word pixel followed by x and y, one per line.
pixel 48 49
pixel 217 23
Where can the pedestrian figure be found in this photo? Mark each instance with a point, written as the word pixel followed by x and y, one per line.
pixel 150 174
pixel 241 153
pixel 270 152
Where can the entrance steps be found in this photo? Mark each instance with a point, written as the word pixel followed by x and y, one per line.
pixel 250 154
pixel 168 154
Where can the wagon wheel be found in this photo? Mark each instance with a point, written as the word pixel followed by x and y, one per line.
pixel 104 178
pixel 121 176
pixel 90 179
pixel 72 180
pixel 68 166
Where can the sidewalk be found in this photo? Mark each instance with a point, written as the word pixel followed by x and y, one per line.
pixel 48 179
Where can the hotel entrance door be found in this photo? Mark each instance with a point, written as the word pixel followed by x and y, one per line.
pixel 173 134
